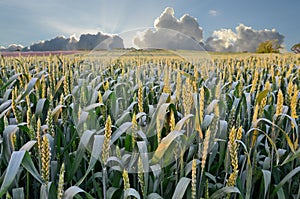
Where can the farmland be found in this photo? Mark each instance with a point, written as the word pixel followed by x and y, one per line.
pixel 150 124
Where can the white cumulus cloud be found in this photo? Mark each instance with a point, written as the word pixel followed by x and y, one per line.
pixel 172 33
pixel 221 40
pixel 243 39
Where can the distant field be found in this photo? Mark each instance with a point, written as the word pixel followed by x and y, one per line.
pixel 37 53
pixel 150 53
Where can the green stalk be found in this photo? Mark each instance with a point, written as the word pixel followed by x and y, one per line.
pixel 96 188
pixel 272 153
pixel 27 185
pixel 135 181
pixel 290 180
pixel 199 173
pixel 249 179
pixel 104 177
pixel 199 186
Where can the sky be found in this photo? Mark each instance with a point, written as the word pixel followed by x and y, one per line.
pixel 30 21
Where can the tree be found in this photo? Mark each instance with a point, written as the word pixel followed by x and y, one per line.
pixel 269 46
pixel 296 48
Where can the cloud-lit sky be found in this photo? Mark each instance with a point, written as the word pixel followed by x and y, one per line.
pixel 25 22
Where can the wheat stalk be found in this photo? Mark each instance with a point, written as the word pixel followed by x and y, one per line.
pixel 16 111
pixel 262 105
pixel 125 180
pixel 141 175
pixel 289 93
pixel 100 100
pixel 178 85
pixel 294 103
pixel 268 86
pixel 44 87
pixel 195 88
pixel 166 88
pixel 106 144
pixel 254 119
pixel 279 105
pixel 106 85
pixel 206 144
pixel 49 121
pixel 254 82
pixel 194 181
pixel 134 128
pixel 172 122
pixel 60 188
pixel 201 104
pixel 45 157
pixel 140 98
pixel 187 97
pixel 233 146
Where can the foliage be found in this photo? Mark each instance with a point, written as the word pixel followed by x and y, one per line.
pixel 270 46
pixel 296 48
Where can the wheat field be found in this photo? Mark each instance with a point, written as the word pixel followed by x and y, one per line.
pixel 150 124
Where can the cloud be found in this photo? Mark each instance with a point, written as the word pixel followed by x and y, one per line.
pixel 172 33
pixel 57 43
pixel 112 42
pixel 99 41
pixel 169 32
pixel 12 47
pixel 86 42
pixel 186 24
pixel 221 41
pixel 249 39
pixel 213 13
pixel 165 39
pixel 244 39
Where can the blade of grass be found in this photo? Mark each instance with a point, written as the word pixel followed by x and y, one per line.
pixel 71 192
pixel 181 188
pixel 221 193
pixel 96 152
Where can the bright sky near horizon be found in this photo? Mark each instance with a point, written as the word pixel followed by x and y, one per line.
pixel 26 22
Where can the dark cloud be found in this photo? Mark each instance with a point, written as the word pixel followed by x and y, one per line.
pixel 58 43
pixel 99 41
pixel 12 48
pixel 172 33
pixel 86 42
